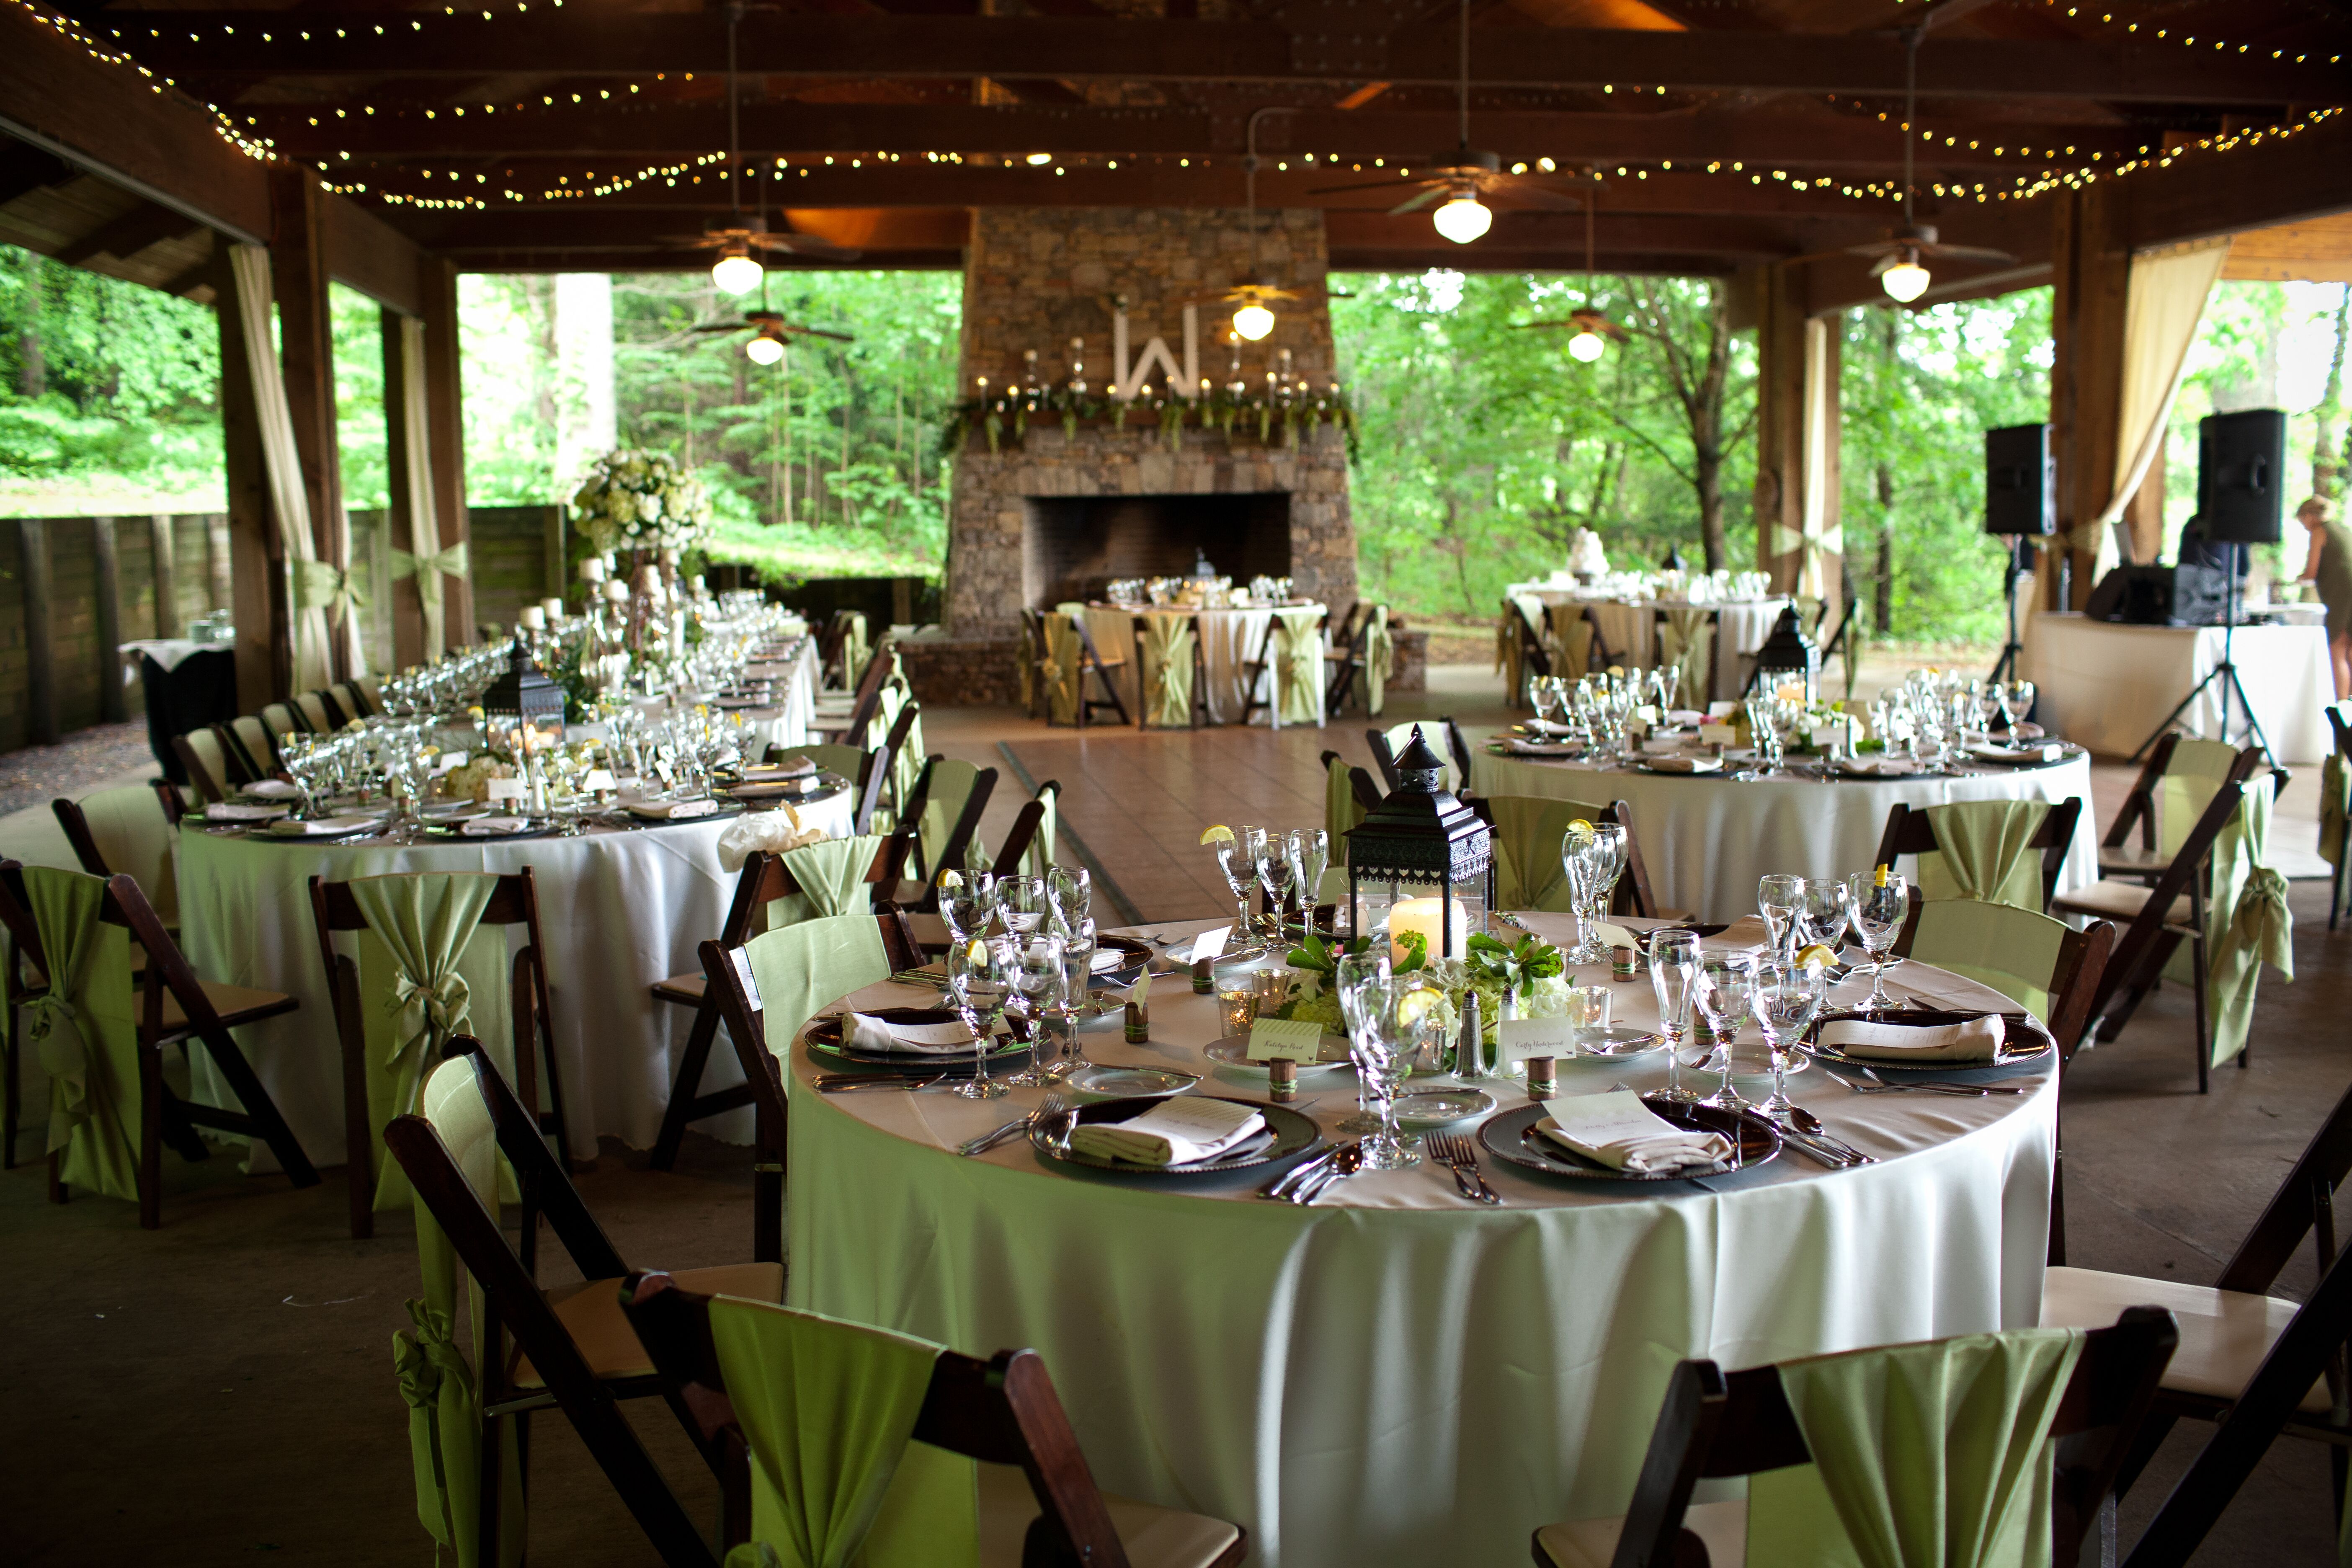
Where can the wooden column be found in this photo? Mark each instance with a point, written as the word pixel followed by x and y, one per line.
pixel 164 551
pixel 2145 511
pixel 257 594
pixel 40 632
pixel 298 264
pixel 399 519
pixel 444 419
pixel 107 589
pixel 2090 268
pixel 1779 421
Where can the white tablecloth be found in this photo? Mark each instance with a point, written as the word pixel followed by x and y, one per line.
pixel 2109 685
pixel 1394 1375
pixel 619 911
pixel 167 653
pixel 1629 626
pixel 1229 640
pixel 1706 840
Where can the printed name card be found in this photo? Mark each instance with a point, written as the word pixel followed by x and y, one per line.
pixel 1208 944
pixel 447 760
pixel 1285 1039
pixel 1712 734
pixel 507 789
pixel 599 778
pixel 1517 1039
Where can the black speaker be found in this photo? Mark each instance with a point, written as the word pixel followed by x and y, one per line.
pixel 2242 475
pixel 2160 596
pixel 2020 482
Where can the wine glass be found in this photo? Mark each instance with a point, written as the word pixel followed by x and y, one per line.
pixel 1604 863
pixel 1375 1045
pixel 1277 874
pixel 1823 911
pixel 1078 945
pixel 967 904
pixel 1784 997
pixel 974 986
pixel 1725 981
pixel 1674 971
pixel 1022 903
pixel 2016 703
pixel 1310 853
pixel 1880 908
pixel 1241 876
pixel 1777 898
pixel 1350 977
pixel 1071 889
pixel 1035 974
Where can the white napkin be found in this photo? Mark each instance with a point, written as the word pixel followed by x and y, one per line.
pixel 1543 748
pixel 325 828
pixel 871 1034
pixel 1686 764
pixel 769 831
pixel 1877 767
pixel 793 767
pixel 1997 753
pixel 1621 1133
pixel 1108 958
pixel 1978 1040
pixel 229 811
pixel 1690 718
pixel 1546 727
pixel 672 810
pixel 271 789
pixel 495 827
pixel 1175 1132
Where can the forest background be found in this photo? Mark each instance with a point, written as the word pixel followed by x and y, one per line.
pixel 1482 445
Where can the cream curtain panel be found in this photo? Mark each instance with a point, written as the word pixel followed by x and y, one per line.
pixel 425 558
pixel 308 587
pixel 2162 306
pixel 1820 543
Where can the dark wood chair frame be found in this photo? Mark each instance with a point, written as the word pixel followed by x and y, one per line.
pixel 84 842
pixel 513 1307
pixel 1348 649
pixel 245 767
pixel 1197 710
pixel 164 1116
pixel 961 832
pixel 867 701
pixel 1091 661
pixel 200 777
pixel 1002 1411
pixel 763 1070
pixel 515 902
pixel 2343 733
pixel 1254 667
pixel 1715 1425
pixel 1026 823
pixel 876 784
pixel 1910 831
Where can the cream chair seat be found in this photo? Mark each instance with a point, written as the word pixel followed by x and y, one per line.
pixel 591 1313
pixel 2224 1334
pixel 2111 898
pixel 1591 1543
pixel 232 1003
pixel 1154 1537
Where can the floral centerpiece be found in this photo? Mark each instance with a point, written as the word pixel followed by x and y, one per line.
pixel 1534 974
pixel 642 501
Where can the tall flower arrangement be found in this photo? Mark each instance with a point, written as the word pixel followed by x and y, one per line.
pixel 641 501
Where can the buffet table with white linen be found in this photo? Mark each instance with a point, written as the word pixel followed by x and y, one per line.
pixel 1628 627
pixel 2109 685
pixel 1705 838
pixel 1230 638
pixel 620 909
pixel 1393 1374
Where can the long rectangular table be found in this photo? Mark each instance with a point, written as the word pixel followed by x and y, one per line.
pixel 2107 686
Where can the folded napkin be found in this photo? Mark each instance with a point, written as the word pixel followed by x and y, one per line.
pixel 871 1034
pixel 1546 726
pixel 325 826
pixel 1621 1133
pixel 495 827
pixel 229 811
pixel 769 831
pixel 671 810
pixel 1108 958
pixel 1685 765
pixel 1690 718
pixel 792 767
pixel 1990 753
pixel 1655 746
pixel 1978 1040
pixel 271 789
pixel 1877 767
pixel 1174 1132
pixel 1543 748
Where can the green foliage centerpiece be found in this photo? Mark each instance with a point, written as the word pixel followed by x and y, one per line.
pixel 644 502
pixel 1532 975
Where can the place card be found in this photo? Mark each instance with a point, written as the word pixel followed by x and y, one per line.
pixel 1517 1039
pixel 446 760
pixel 1615 935
pixel 1207 945
pixel 599 778
pixel 506 789
pixel 1715 734
pixel 1288 1040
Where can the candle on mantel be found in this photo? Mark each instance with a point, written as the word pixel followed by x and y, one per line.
pixel 1421 915
pixel 983 388
pixel 533 618
pixel 551 608
pixel 592 569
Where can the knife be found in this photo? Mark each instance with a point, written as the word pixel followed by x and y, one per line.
pixel 1281 1186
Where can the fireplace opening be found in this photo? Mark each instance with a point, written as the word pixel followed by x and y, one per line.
pixel 1072 545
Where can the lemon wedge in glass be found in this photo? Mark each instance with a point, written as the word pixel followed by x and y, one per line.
pixel 1815 955
pixel 1219 834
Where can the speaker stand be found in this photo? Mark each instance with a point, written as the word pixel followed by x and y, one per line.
pixel 2224 675
pixel 2005 666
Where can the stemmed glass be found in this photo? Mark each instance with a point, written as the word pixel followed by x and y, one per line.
pixel 1241 876
pixel 1673 970
pixel 1784 998
pixel 2016 703
pixel 1593 865
pixel 1035 972
pixel 972 963
pixel 1725 982
pixel 967 904
pixel 1071 889
pixel 1777 897
pixel 1351 977
pixel 1311 852
pixel 1879 910
pixel 1077 987
pixel 1378 1051
pixel 1822 910
pixel 1022 904
pixel 1277 874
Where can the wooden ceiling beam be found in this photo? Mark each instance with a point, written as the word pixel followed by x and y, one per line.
pixel 539 259
pixel 250 45
pixel 1478 258
pixel 147 223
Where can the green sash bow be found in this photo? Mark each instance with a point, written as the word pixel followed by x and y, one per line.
pixel 1687 647
pixel 65 911
pixel 1298 666
pixel 1570 647
pixel 431 592
pixel 424 923
pixel 1982 852
pixel 324 585
pixel 1167 650
pixel 1380 658
pixel 1027 666
pixel 2247 924
pixel 1057 667
pixel 439 1388
pixel 2335 798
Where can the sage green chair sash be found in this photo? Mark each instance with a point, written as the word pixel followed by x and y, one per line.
pixel 1379 654
pixel 1166 651
pixel 1299 666
pixel 1527 831
pixel 2195 771
pixel 424 976
pixel 431 595
pixel 1982 852
pixel 2013 950
pixel 1340 808
pixel 2335 798
pixel 1927 1456
pixel 1687 647
pixel 856 649
pixel 1027 664
pixel 799 968
pixel 2247 924
pixel 829 756
pixel 84 1030
pixel 1571 643
pixel 133 834
pixel 951 785
pixel 1434 731
pixel 1057 667
pixel 828 1410
pixel 832 874
pixel 1039 859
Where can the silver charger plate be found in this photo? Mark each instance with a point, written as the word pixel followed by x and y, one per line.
pixel 2026 1046
pixel 1421 1108
pixel 1286 1133
pixel 1619 1040
pixel 1233 1052
pixel 1129 1083
pixel 1512 1137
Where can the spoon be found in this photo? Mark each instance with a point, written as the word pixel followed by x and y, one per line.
pixel 1810 1125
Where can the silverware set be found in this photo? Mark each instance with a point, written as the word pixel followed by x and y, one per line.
pixel 1878 1084
pixel 1456 1154
pixel 1301 1182
pixel 1055 1107
pixel 844 1082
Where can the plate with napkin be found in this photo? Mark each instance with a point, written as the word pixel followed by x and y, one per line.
pixel 1518 748
pixel 499 827
pixel 323 827
pixel 2027 756
pixel 1876 767
pixel 792 767
pixel 1173 1135
pixel 1680 764
pixel 232 811
pixel 270 789
pixel 674 810
pixel 1621 1136
pixel 1929 1039
pixel 914 1040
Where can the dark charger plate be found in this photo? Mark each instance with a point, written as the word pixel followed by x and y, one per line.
pixel 1287 1133
pixel 1512 1136
pixel 2025 1048
pixel 824 1037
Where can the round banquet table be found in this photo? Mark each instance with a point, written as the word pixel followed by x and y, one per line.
pixel 1628 627
pixel 1394 1375
pixel 1229 640
pixel 619 908
pixel 1705 838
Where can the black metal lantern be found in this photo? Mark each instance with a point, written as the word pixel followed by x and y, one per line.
pixel 1421 837
pixel 523 695
pixel 1788 658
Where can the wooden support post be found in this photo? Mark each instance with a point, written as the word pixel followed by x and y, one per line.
pixel 108 589
pixel 445 420
pixel 40 632
pixel 2091 270
pixel 164 550
pixel 400 517
pixel 258 592
pixel 1779 421
pixel 2145 512
pixel 298 264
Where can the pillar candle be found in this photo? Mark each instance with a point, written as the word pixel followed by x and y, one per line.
pixel 1421 915
pixel 551 608
pixel 533 618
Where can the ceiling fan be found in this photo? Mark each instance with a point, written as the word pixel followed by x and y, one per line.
pixel 1252 296
pixel 1591 325
pixel 770 331
pixel 1462 175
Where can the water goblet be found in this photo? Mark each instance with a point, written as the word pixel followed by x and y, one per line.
pixel 1375 1045
pixel 1784 997
pixel 966 904
pixel 1674 974
pixel 1777 898
pixel 1241 876
pixel 1351 977
pixel 1310 853
pixel 974 985
pixel 1879 911
pixel 1823 910
pixel 1725 981
pixel 1034 974
pixel 1071 887
pixel 2016 701
pixel 1278 874
pixel 1604 864
pixel 1078 945
pixel 1022 904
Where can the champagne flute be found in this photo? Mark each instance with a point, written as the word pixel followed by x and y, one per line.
pixel 1882 899
pixel 1784 998
pixel 1241 876
pixel 1604 859
pixel 1722 992
pixel 1078 945
pixel 973 981
pixel 1350 977
pixel 1278 874
pixel 1310 854
pixel 1674 971
pixel 1375 1047
pixel 1777 898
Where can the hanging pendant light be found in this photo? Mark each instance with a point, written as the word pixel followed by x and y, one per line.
pixel 1253 321
pixel 765 348
pixel 1586 346
pixel 1463 218
pixel 1906 279
pixel 737 271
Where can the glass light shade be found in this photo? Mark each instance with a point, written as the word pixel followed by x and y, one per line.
pixel 763 350
pixel 736 274
pixel 1463 220
pixel 1586 346
pixel 1905 281
pixel 1253 321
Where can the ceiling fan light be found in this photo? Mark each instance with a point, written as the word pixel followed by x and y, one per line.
pixel 1253 321
pixel 735 271
pixel 1586 346
pixel 1905 281
pixel 763 350
pixel 1462 219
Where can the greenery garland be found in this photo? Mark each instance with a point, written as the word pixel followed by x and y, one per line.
pixel 1005 415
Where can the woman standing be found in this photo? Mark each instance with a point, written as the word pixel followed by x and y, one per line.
pixel 2330 566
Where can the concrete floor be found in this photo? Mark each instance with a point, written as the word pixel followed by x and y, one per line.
pixel 220 1391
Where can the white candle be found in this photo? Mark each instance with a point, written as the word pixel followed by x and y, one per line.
pixel 553 608
pixel 533 618
pixel 1421 915
pixel 592 569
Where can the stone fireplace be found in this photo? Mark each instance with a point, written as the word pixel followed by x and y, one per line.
pixel 1056 513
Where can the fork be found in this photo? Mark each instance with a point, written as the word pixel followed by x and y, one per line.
pixel 1054 1104
pixel 1455 1152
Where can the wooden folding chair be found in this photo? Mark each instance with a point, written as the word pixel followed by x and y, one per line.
pixel 205 762
pixel 2157 920
pixel 955 845
pixel 765 878
pixel 2344 825
pixel 2255 1365
pixel 569 1347
pixel 1003 1412
pixel 1028 824
pixel 1198 710
pixel 1535 659
pixel 1347 663
pixel 1631 895
pixel 515 902
pixel 1911 831
pixel 876 786
pixel 317 711
pixel 285 719
pixel 351 696
pixel 1716 1424
pixel 176 1008
pixel 251 749
pixel 144 851
pixel 745 1016
pixel 863 703
pixel 1091 661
